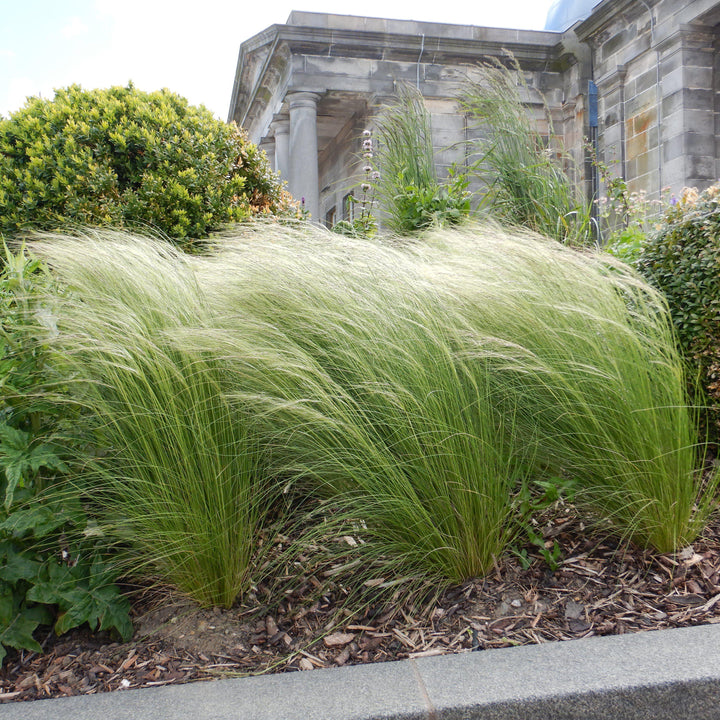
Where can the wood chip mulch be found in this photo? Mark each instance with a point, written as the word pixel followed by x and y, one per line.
pixel 600 588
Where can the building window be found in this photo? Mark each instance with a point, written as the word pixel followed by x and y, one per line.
pixel 348 207
pixel 330 217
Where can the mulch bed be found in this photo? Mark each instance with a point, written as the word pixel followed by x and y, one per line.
pixel 600 588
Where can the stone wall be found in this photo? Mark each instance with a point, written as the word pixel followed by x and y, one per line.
pixel 653 61
pixel 654 65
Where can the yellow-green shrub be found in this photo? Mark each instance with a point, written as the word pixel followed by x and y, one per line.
pixel 127 158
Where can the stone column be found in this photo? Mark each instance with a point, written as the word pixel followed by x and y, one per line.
pixel 281 131
pixel 303 177
pixel 687 60
pixel 268 147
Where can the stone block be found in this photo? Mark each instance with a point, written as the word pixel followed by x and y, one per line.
pixel 699 143
pixel 636 145
pixel 647 162
pixel 647 182
pixel 645 80
pixel 612 135
pixel 337 67
pixel 642 121
pixel 643 101
pixel 688 99
pixel 673 81
pixel 618 41
pixel 673 147
pixel 674 172
pixel 702 121
pixel 698 77
pixel 634 50
pixel 701 169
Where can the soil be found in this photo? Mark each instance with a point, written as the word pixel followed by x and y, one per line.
pixel 600 588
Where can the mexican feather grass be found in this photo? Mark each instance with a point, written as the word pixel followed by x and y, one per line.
pixel 406 389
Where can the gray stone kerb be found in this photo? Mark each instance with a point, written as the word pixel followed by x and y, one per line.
pixel 663 675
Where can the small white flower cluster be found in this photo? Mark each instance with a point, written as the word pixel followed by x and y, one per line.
pixel 371 175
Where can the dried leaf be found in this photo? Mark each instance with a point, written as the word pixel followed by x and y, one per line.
pixel 338 639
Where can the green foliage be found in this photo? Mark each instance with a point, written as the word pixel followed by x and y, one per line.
pixel 407 390
pixel 527 183
pixel 626 218
pixel 360 209
pixel 586 357
pixel 48 578
pixel 418 208
pixel 177 480
pixel 411 195
pixel 627 244
pixel 49 571
pixel 121 157
pixel 534 500
pixel 682 261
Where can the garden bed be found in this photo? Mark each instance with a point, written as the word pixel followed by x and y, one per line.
pixel 600 588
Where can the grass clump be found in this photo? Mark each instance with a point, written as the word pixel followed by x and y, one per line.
pixel 403 391
pixel 586 350
pixel 381 414
pixel 178 480
pixel 411 195
pixel 527 182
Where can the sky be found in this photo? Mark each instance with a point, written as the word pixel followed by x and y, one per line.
pixel 189 47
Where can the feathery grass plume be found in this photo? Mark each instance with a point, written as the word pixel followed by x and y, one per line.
pixel 408 387
pixel 580 349
pixel 179 478
pixel 527 184
pixel 585 350
pixel 374 409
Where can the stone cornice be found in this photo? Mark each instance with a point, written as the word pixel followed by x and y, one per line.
pixel 378 45
pixel 603 13
pixel 532 49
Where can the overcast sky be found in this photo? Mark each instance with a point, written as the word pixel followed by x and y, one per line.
pixel 189 47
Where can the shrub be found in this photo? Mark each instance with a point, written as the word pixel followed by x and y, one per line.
pixel 682 261
pixel 51 572
pixel 127 158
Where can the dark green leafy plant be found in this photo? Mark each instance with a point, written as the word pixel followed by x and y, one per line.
pixel 417 208
pixel 682 260
pixel 51 570
pixel 533 501
pixel 123 157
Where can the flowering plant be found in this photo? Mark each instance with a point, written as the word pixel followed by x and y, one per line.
pixel 362 224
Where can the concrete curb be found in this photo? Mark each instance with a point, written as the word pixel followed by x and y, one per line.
pixel 659 675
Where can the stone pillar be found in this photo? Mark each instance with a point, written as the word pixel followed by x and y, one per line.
pixel 687 59
pixel 303 177
pixel 268 147
pixel 281 131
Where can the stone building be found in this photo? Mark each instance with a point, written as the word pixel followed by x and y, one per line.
pixel 635 77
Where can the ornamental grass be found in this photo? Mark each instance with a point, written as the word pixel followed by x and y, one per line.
pixel 292 377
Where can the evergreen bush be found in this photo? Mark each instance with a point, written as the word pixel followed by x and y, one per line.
pixel 683 260
pixel 125 158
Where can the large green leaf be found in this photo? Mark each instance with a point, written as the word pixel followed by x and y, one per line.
pixel 17 624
